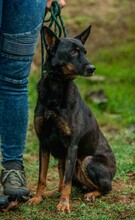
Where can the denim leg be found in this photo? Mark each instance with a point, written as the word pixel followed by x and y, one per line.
pixel 14 109
pixel 20 25
pixel 1 7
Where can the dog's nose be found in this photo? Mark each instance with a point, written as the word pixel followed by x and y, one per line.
pixel 90 68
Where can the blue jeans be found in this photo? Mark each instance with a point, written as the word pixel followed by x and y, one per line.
pixel 20 23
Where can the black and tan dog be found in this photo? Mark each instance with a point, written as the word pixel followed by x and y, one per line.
pixel 66 127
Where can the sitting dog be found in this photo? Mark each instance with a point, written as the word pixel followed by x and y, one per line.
pixel 66 127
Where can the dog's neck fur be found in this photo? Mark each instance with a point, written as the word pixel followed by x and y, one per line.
pixel 57 89
pixel 54 73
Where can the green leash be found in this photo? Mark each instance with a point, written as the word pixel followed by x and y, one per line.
pixel 55 22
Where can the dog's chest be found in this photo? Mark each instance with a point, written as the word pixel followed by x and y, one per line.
pixel 57 133
pixel 58 122
pixel 57 126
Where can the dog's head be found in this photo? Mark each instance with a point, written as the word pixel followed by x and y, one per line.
pixel 67 56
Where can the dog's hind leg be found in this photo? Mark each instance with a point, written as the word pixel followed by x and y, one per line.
pixel 95 175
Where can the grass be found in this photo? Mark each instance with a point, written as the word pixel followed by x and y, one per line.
pixel 111 49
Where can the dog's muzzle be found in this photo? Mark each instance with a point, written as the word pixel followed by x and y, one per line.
pixel 89 70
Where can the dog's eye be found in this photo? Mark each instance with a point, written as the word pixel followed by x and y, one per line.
pixel 73 52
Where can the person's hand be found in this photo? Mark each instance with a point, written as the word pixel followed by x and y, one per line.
pixel 49 3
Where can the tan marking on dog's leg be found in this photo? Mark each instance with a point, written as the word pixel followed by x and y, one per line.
pixel 61 167
pixel 50 193
pixel 91 196
pixel 82 176
pixel 42 179
pixel 63 205
pixel 81 173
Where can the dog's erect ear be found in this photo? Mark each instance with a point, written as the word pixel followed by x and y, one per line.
pixel 50 38
pixel 84 35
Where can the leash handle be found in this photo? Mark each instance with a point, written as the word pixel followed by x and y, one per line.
pixel 56 23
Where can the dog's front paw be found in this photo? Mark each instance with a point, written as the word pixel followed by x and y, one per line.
pixel 35 200
pixel 63 206
pixel 91 196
